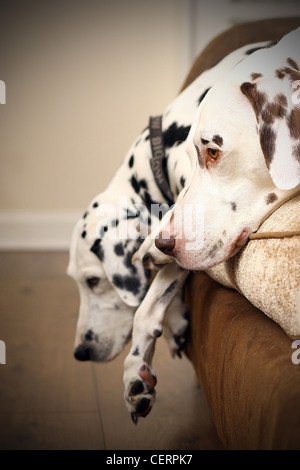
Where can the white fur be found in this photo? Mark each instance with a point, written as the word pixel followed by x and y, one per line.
pixel 233 192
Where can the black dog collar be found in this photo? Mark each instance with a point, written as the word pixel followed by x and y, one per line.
pixel 158 156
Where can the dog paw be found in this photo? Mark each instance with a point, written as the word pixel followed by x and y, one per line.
pixel 139 391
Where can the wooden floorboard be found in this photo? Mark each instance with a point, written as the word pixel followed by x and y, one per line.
pixel 51 431
pixel 179 419
pixel 48 400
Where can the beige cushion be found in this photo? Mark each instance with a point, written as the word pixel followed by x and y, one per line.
pixel 267 272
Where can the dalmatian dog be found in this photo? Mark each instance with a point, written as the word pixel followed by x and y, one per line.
pixel 116 222
pixel 244 153
pixel 103 243
pixel 112 229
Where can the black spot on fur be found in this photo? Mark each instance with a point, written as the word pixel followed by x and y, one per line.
pixel 217 139
pixel 85 215
pixel 132 215
pixel 204 141
pixel 129 283
pixel 118 249
pixel 143 184
pixel 97 242
pixel 118 281
pixel 178 339
pixel 115 223
pixel 142 405
pixel 97 249
pixel 293 64
pixel 132 284
pixel 254 76
pixel 233 206
pixel 169 289
pixel 144 291
pixel 203 96
pixel 159 210
pixel 83 234
pixel 135 184
pixel 182 181
pixel 89 335
pixel 128 262
pixel 267 142
pixel 136 352
pixel 147 199
pixel 95 204
pixel 175 135
pixel 102 231
pixel 137 387
pixel 270 198
pixel 131 161
pixel 215 248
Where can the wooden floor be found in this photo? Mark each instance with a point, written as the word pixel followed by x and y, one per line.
pixel 48 400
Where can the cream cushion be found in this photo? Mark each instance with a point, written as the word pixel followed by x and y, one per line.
pixel 267 271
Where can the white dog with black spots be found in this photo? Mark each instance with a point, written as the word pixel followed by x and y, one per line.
pixel 115 296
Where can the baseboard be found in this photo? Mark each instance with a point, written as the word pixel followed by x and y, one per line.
pixel 36 231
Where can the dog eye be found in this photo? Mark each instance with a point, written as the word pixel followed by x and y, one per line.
pixel 92 281
pixel 213 153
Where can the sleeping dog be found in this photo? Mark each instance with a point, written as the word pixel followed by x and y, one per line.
pixel 111 288
pixel 106 237
pixel 244 151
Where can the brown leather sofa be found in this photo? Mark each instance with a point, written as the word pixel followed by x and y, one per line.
pixel 243 360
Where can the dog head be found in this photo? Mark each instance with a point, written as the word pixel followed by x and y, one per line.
pixel 110 287
pixel 244 147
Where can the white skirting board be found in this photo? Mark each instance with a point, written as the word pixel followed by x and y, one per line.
pixel 36 231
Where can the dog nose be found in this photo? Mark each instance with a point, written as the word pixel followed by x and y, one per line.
pixel 82 353
pixel 166 245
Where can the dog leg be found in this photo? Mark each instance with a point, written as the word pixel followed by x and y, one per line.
pixel 139 377
pixel 148 254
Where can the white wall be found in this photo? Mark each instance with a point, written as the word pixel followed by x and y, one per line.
pixel 82 79
pixel 211 17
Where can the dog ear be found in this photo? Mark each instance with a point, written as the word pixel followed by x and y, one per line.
pixel 277 108
pixel 130 281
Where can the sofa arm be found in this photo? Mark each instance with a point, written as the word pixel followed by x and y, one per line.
pixel 243 361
